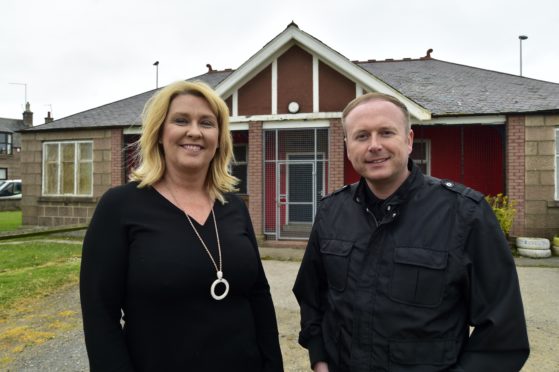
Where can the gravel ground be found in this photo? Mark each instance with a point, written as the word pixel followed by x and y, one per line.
pixel 54 339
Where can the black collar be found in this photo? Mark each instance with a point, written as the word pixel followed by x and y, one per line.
pixel 363 194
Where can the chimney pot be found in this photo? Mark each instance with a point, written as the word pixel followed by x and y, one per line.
pixel 28 116
pixel 48 119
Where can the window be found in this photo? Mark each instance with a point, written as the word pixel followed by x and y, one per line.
pixel 239 167
pixel 68 168
pixel 556 163
pixel 3 173
pixel 5 143
pixel 421 154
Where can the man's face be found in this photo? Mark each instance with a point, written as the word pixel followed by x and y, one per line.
pixel 378 145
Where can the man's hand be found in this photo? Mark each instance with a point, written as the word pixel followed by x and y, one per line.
pixel 320 367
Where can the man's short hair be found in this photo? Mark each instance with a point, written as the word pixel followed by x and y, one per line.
pixel 375 96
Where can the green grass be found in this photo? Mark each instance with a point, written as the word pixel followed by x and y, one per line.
pixel 32 254
pixel 10 220
pixel 33 269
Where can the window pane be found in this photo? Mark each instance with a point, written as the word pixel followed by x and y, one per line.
pixel 51 174
pixel 3 137
pixel 68 168
pixel 419 151
pixel 240 171
pixel 9 138
pixel 3 173
pixel 68 152
pixel 51 169
pixel 52 152
pixel 67 178
pixel 84 181
pixel 86 152
pixel 240 153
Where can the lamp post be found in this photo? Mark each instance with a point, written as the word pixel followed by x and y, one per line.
pixel 156 64
pixel 521 38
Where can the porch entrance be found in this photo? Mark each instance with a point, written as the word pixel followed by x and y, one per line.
pixel 295 181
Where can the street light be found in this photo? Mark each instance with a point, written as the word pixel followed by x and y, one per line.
pixel 156 64
pixel 521 37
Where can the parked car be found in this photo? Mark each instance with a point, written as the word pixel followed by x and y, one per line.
pixel 10 189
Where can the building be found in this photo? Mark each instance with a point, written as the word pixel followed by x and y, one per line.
pixel 493 131
pixel 10 144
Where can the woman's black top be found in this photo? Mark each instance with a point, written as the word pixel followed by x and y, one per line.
pixel 144 267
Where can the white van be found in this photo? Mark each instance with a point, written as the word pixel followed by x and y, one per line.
pixel 10 189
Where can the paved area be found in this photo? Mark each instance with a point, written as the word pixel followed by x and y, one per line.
pixel 296 254
pixel 64 350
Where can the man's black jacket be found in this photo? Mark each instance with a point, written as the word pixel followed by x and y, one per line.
pixel 400 294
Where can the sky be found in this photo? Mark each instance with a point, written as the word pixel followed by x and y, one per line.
pixel 68 56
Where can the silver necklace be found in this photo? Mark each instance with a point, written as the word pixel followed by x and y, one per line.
pixel 218 269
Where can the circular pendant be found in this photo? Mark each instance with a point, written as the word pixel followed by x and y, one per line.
pixel 215 283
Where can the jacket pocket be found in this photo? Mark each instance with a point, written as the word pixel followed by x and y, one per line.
pixel 419 276
pixel 440 355
pixel 336 255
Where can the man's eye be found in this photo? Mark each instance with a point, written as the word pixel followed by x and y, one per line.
pixel 361 136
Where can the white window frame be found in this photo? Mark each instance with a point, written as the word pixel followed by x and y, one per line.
pixel 77 162
pixel 9 143
pixel 427 160
pixel 556 163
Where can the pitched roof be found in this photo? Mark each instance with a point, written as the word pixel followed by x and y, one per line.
pixel 12 126
pixel 429 86
pixel 123 113
pixel 447 88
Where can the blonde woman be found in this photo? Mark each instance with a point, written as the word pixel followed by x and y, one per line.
pixel 172 254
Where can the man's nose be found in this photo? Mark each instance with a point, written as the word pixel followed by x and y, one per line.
pixel 374 144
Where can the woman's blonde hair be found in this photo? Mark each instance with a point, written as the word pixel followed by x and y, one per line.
pixel 150 155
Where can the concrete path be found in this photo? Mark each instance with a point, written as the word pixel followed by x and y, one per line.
pixel 65 350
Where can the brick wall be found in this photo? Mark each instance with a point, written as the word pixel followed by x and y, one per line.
pixel 336 152
pixel 61 210
pixel 117 170
pixel 516 169
pixel 12 163
pixel 541 211
pixel 255 177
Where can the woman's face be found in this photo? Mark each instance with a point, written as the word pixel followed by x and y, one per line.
pixel 190 135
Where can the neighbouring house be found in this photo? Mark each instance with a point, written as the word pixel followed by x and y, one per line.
pixel 10 152
pixel 493 131
pixel 10 144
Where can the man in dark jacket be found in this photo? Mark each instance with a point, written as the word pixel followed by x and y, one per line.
pixel 400 265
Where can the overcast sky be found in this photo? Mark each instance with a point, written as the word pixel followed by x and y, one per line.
pixel 74 55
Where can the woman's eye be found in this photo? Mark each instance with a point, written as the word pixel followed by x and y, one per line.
pixel 180 121
pixel 208 124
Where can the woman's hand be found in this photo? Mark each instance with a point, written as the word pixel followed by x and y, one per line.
pixel 320 367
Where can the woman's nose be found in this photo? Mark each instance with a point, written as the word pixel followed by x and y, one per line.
pixel 194 130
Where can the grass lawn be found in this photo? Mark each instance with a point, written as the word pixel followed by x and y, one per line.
pixel 10 220
pixel 30 269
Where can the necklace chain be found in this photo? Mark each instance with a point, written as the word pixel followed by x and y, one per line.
pixel 217 269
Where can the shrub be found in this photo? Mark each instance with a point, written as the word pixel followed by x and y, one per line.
pixel 504 209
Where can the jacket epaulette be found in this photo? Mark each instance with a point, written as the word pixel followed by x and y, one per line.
pixel 463 190
pixel 343 188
